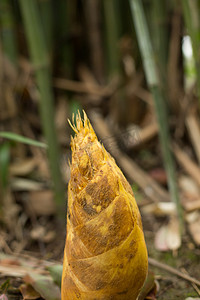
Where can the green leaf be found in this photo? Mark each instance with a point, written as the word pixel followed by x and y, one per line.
pixel 5 285
pixel 149 288
pixel 56 273
pixel 4 163
pixel 44 286
pixel 21 139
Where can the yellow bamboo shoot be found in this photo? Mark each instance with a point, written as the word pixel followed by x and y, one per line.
pixel 105 254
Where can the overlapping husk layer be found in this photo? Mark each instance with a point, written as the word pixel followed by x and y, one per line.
pixel 105 253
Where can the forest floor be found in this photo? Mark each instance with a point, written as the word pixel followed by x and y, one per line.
pixel 185 260
pixel 38 256
pixel 29 234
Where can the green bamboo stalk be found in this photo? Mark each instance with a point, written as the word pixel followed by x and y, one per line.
pixel 7 25
pixel 46 12
pixel 160 34
pixel 159 102
pixel 191 13
pixel 112 27
pixel 40 60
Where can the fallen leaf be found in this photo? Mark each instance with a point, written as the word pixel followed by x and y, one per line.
pixel 194 229
pixel 49 236
pixel 192 216
pixel 22 184
pixel 168 236
pixel 10 262
pixel 191 203
pixel 160 209
pixel 42 202
pixel 150 288
pixel 159 175
pixel 44 286
pixel 160 239
pixel 56 273
pixel 38 233
pixel 22 167
pixel 28 292
pixel 188 185
pixel 173 234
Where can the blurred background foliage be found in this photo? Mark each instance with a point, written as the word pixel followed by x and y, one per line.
pixel 133 66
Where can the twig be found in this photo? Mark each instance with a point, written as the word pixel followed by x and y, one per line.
pixel 80 87
pixel 187 163
pixel 145 134
pixel 93 20
pixel 194 132
pixel 144 95
pixel 195 287
pixel 172 270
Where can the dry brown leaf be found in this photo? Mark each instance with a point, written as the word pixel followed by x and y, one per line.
pixel 173 234
pixel 49 236
pixel 191 203
pixel 159 175
pixel 22 184
pixel 192 217
pixel 168 236
pixel 28 292
pixel 22 167
pixel 160 209
pixel 160 239
pixel 194 229
pixel 188 185
pixel 38 233
pixel 10 211
pixel 42 202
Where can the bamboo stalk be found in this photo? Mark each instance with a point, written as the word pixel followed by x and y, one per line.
pixel 7 30
pixel 40 60
pixel 159 101
pixel 160 34
pixel 46 12
pixel 192 21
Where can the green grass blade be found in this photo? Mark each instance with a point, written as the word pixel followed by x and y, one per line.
pixel 21 139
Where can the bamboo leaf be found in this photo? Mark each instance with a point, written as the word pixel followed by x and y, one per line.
pixel 21 139
pixel 4 163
